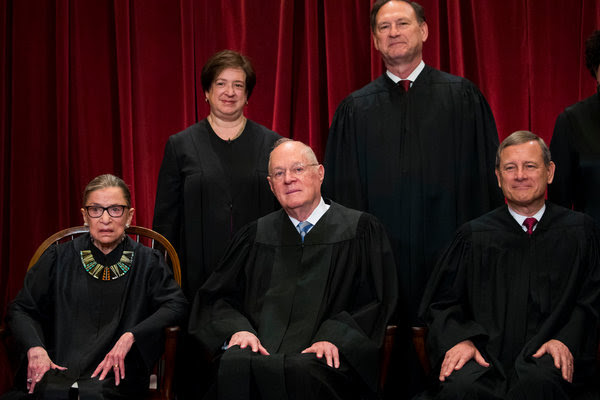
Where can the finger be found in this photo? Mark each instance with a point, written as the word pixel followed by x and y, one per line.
pixel 336 357
pixel 447 367
pixel 31 386
pixel 262 350
pixel 254 345
pixel 97 370
pixel 105 369
pixel 117 374
pixel 459 364
pixel 540 352
pixel 54 366
pixel 329 358
pixel 122 368
pixel 480 360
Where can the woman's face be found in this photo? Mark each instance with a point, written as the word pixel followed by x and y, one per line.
pixel 227 95
pixel 106 230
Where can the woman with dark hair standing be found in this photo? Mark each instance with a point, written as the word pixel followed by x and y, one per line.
pixel 575 146
pixel 213 178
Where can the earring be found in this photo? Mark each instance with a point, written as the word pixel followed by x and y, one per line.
pixel 126 226
pixel 206 99
pixel 85 224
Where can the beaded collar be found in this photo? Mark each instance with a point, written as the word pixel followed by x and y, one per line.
pixel 110 272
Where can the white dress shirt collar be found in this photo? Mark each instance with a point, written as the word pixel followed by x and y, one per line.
pixel 315 216
pixel 412 77
pixel 520 218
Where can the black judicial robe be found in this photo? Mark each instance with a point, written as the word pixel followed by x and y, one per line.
pixel 339 286
pixel 208 188
pixel 575 148
pixel 421 162
pixel 58 309
pixel 510 293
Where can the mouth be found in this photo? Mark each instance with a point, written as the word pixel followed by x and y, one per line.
pixel 292 191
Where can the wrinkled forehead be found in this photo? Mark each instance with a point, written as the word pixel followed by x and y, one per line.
pixel 287 155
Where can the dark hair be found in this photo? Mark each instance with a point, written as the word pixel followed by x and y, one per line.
pixel 106 181
pixel 227 59
pixel 520 137
pixel 419 11
pixel 592 53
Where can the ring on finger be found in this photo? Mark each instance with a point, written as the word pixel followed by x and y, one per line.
pixel 116 365
pixel 29 380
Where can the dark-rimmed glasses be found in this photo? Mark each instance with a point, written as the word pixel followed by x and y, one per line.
pixel 115 211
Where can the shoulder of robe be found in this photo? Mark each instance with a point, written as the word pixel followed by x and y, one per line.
pixel 185 134
pixel 585 105
pixel 270 136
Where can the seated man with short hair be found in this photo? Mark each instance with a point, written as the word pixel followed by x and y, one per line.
pixel 301 297
pixel 512 306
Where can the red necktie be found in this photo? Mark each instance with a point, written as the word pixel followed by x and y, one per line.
pixel 404 84
pixel 529 224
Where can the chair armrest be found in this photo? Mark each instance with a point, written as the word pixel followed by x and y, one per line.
pixel 418 337
pixel 166 377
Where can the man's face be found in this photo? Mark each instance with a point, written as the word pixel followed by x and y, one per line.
pixel 398 35
pixel 523 176
pixel 295 180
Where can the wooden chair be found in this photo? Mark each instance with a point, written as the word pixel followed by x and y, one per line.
pixel 161 380
pixel 386 354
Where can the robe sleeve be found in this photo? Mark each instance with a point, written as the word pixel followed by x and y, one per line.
pixel 216 310
pixel 563 189
pixel 169 197
pixel 341 160
pixel 444 307
pixel 479 114
pixel 575 334
pixel 167 299
pixel 358 332
pixel 29 313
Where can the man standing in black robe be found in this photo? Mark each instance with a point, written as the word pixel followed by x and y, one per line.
pixel 512 306
pixel 421 159
pixel 302 297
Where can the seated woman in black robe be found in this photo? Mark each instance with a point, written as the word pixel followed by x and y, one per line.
pixel 92 310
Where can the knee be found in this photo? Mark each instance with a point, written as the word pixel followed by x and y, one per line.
pixel 469 382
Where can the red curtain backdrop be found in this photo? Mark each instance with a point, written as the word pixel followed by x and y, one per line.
pixel 91 87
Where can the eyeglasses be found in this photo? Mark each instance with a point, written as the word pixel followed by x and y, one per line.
pixel 296 171
pixel 114 211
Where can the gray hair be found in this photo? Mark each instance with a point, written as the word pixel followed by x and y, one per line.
pixel 308 153
pixel 106 181
pixel 520 137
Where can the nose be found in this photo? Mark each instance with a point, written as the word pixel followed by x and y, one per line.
pixel 229 90
pixel 394 30
pixel 520 174
pixel 105 217
pixel 288 177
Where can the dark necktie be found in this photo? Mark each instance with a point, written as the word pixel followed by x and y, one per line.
pixel 529 224
pixel 404 84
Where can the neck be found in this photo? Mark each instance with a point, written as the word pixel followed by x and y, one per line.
pixel 227 129
pixel 106 249
pixel 302 214
pixel 403 69
pixel 528 210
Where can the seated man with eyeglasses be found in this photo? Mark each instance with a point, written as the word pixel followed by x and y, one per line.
pixel 301 297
